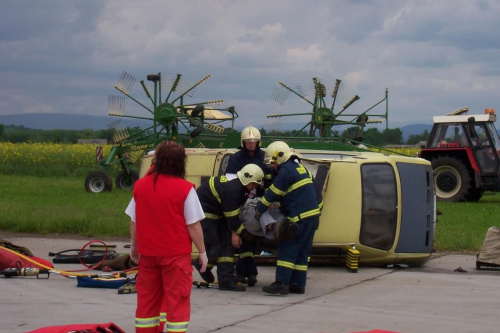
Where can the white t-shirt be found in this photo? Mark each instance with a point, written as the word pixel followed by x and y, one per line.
pixel 192 208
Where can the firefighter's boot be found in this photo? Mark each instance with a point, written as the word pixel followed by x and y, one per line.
pixel 296 289
pixel 241 279
pixel 231 286
pixel 277 288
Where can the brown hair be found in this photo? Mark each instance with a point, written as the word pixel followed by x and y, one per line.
pixel 170 159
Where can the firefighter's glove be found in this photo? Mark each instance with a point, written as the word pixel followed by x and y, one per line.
pixel 203 261
pixel 257 214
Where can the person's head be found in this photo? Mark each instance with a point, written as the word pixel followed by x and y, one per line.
pixel 169 159
pixel 277 153
pixel 251 176
pixel 250 138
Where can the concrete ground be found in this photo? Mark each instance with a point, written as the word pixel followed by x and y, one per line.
pixel 432 298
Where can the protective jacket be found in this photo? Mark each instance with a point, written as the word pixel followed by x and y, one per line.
pixel 238 160
pixel 293 188
pixel 221 199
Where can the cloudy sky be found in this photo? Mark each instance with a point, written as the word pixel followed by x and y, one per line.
pixel 433 56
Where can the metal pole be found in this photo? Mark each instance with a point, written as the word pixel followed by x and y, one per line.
pixel 386 108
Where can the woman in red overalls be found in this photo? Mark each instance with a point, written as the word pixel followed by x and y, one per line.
pixel 165 220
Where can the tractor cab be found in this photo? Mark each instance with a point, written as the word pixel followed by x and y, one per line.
pixel 465 152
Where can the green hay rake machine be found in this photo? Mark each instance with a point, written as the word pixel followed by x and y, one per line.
pixel 193 124
pixel 201 124
pixel 324 119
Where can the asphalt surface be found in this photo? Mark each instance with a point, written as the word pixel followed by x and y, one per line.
pixel 432 298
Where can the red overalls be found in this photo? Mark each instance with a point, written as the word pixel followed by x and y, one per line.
pixel 165 277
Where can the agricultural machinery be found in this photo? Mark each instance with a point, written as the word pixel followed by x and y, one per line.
pixel 464 152
pixel 199 125
pixel 324 118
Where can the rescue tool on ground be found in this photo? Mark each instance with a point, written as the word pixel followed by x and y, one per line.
pixel 24 271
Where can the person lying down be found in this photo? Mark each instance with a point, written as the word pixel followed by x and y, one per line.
pixel 273 224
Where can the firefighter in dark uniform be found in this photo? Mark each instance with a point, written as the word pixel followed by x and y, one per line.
pixel 221 198
pixel 250 153
pixel 296 194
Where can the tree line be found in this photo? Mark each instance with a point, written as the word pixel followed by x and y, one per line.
pixel 371 136
pixel 21 134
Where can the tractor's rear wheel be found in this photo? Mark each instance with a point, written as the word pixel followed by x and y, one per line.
pixel 125 181
pixel 451 179
pixel 98 181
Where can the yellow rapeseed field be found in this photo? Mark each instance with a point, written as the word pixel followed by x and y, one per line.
pixel 46 159
pixel 15 157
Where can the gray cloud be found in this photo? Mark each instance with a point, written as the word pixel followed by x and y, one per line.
pixel 433 56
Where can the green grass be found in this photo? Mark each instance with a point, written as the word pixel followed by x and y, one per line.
pixel 463 226
pixel 60 205
pixel 48 205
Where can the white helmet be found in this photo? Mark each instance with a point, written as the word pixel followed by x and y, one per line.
pixel 251 173
pixel 277 151
pixel 250 134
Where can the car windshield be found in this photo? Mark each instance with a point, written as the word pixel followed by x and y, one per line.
pixel 379 215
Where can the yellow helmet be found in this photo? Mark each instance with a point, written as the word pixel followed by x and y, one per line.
pixel 251 173
pixel 250 134
pixel 277 151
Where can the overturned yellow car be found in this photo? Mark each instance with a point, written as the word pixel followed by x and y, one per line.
pixel 380 207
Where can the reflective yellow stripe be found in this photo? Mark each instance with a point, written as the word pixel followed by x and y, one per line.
pixel 300 267
pixel 212 216
pixel 235 212
pixel 240 229
pixel 177 327
pixel 163 317
pixel 246 255
pixel 212 188
pixel 267 176
pixel 298 184
pixel 276 190
pixel 305 215
pixel 147 322
pixel 285 264
pixel 321 205
pixel 225 259
pixel 265 202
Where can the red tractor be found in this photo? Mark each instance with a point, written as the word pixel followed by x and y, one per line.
pixel 465 154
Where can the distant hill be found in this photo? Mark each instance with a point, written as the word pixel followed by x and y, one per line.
pixel 51 121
